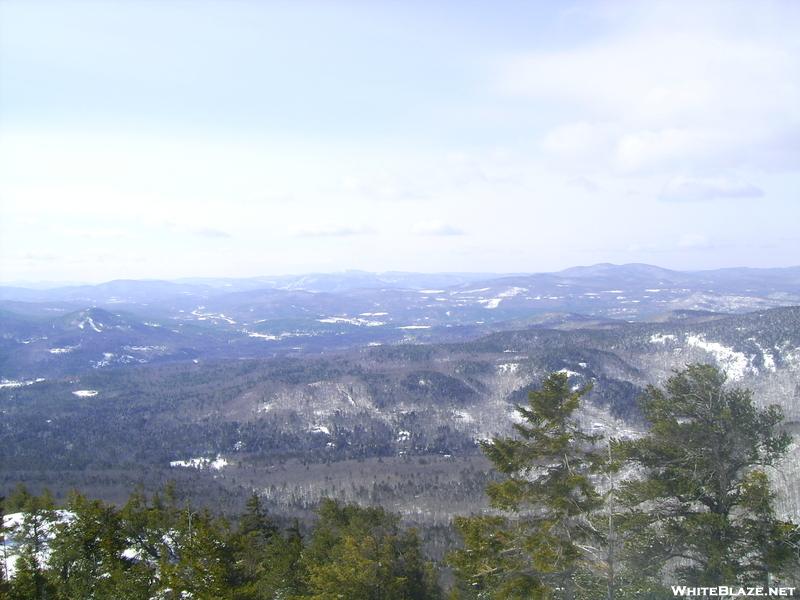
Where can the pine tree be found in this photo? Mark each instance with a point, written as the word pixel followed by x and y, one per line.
pixel 362 554
pixel 702 512
pixel 5 587
pixel 537 551
pixel 88 557
pixel 30 580
pixel 255 520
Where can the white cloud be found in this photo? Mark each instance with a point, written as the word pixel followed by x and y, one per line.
pixel 97 233
pixel 211 232
pixel 585 183
pixel 326 228
pixel 679 85
pixel 272 196
pixel 383 187
pixel 195 227
pixel 36 255
pixel 435 228
pixel 694 241
pixel 696 189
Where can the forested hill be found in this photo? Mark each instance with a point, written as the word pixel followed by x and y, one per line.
pixel 54 332
pixel 687 503
pixel 240 421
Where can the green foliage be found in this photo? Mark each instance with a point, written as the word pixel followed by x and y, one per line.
pixel 538 550
pixel 162 548
pixel 362 554
pixel 702 513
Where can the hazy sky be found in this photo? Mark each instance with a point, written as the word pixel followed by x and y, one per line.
pixel 165 139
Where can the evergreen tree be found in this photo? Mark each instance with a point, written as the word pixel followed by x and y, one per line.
pixel 88 554
pixel 18 499
pixel 30 579
pixel 205 566
pixel 255 521
pixel 362 554
pixel 702 512
pixel 259 553
pixel 4 585
pixel 537 551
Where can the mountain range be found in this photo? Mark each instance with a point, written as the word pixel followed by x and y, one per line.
pixel 50 332
pixel 104 383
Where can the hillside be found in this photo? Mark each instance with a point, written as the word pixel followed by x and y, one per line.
pixel 243 424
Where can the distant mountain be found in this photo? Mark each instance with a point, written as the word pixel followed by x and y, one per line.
pixel 293 316
pixel 388 402
pixel 631 271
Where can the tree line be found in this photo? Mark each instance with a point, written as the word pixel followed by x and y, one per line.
pixel 580 517
pixel 158 548
pixel 574 516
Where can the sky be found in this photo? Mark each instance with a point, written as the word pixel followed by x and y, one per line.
pixel 175 138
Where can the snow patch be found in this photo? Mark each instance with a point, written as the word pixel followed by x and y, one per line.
pixel 10 383
pixel 735 364
pixel 569 373
pixel 64 350
pixel 359 322
pixel 85 393
pixel 146 348
pixel 513 291
pixel 662 338
pixel 265 336
pixel 201 463
pixel 15 526
pixel 463 415
pixel 768 357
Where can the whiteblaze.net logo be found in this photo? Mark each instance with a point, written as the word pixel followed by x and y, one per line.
pixel 730 591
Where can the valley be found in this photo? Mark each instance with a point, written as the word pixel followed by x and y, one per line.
pixel 108 395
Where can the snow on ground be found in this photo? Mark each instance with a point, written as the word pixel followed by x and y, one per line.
pixel 464 415
pixel 91 323
pixel 146 348
pixel 85 393
pixel 512 291
pixel 63 350
pixel 201 316
pixel 107 358
pixel 14 524
pixel 9 383
pixel 569 373
pixel 201 463
pixel 662 338
pixel 265 336
pixel 359 322
pixel 735 364
pixel 769 357
pixel 415 327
